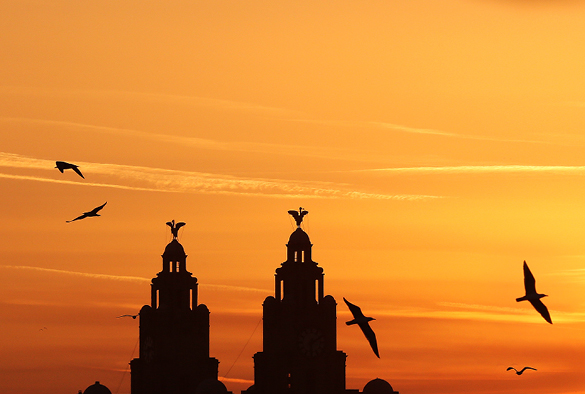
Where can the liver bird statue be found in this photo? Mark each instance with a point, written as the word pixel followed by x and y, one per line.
pixel 175 228
pixel 298 215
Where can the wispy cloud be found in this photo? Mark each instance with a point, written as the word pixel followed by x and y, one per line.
pixel 575 170
pixel 164 180
pixel 462 311
pixel 124 278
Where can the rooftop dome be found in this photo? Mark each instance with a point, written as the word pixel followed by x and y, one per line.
pixel 299 238
pixel 174 251
pixel 378 386
pixel 97 388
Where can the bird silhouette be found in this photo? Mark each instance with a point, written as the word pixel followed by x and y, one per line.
pixel 132 316
pixel 521 371
pixel 62 165
pixel 93 212
pixel 298 215
pixel 532 296
pixel 363 322
pixel 175 228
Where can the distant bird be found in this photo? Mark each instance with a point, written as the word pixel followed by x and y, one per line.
pixel 298 215
pixel 42 329
pixel 532 296
pixel 132 316
pixel 93 212
pixel 362 321
pixel 521 371
pixel 61 165
pixel 175 228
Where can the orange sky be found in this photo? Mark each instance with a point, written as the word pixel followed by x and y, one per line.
pixel 436 144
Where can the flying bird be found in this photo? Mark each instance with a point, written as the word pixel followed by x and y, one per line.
pixel 61 165
pixel 132 316
pixel 298 215
pixel 532 296
pixel 521 371
pixel 93 212
pixel 363 322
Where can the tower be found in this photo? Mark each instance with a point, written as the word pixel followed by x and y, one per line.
pixel 174 331
pixel 300 337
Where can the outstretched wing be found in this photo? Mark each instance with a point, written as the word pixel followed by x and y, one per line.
pixel 529 281
pixel 179 225
pixel 525 368
pixel 542 309
pixel 77 218
pixel 97 209
pixel 294 213
pixel 77 171
pixel 171 224
pixel 370 336
pixel 509 368
pixel 354 309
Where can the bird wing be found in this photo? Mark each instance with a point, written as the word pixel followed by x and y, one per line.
pixel 97 209
pixel 60 165
pixel 354 309
pixel 541 308
pixel 77 218
pixel 509 368
pixel 529 281
pixel 77 171
pixel 170 224
pixel 179 225
pixel 294 213
pixel 370 336
pixel 525 368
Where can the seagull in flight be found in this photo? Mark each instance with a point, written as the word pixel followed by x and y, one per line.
pixel 363 322
pixel 522 370
pixel 93 212
pixel 132 316
pixel 62 165
pixel 532 296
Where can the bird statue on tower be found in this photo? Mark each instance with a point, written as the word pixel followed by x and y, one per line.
pixel 298 215
pixel 175 228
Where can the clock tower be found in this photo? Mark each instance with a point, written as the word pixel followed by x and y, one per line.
pixel 174 332
pixel 300 338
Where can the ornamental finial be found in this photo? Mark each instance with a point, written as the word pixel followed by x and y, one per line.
pixel 298 215
pixel 175 228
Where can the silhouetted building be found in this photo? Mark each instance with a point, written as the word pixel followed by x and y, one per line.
pixel 300 337
pixel 174 334
pixel 378 386
pixel 97 388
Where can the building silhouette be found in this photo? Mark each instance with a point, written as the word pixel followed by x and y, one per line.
pixel 174 333
pixel 299 354
pixel 300 334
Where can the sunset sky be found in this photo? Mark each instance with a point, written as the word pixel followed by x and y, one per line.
pixel 436 144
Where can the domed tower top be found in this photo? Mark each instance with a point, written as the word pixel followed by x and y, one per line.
pixel 299 245
pixel 97 388
pixel 378 386
pixel 174 257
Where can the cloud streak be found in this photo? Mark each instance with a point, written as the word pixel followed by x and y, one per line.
pixel 490 169
pixel 164 180
pixel 461 311
pixel 124 278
